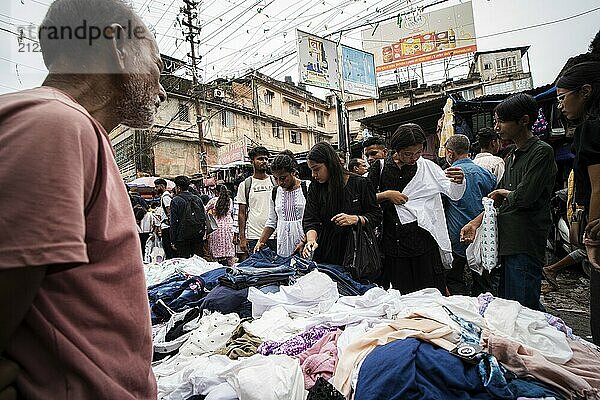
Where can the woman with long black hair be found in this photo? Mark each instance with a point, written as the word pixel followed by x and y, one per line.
pixel 220 242
pixel 336 201
pixel 578 94
pixel 415 243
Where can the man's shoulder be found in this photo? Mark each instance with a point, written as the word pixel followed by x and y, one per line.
pixel 49 106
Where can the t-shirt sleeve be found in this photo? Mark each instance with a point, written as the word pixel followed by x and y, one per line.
pixel 240 198
pixel 49 156
pixel 166 201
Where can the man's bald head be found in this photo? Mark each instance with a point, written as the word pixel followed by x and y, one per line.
pixel 80 36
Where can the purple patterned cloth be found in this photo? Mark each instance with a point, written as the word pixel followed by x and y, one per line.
pixel 559 324
pixel 484 300
pixel 297 344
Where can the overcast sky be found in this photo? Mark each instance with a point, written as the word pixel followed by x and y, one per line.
pixel 239 34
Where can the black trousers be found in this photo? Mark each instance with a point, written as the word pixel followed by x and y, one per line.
pixel 187 248
pixel 143 239
pixel 595 305
pixel 409 274
pixel 166 242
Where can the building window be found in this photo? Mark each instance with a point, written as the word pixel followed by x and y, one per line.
pixel 227 119
pixel 269 97
pixel 487 66
pixel 468 94
pixel 320 117
pixel 356 114
pixel 295 137
pixel 184 112
pixel 393 106
pixel 294 108
pixel 506 65
pixel 277 130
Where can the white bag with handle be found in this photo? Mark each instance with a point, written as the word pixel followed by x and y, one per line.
pixel 483 252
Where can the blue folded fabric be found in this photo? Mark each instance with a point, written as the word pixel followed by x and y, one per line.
pixel 411 369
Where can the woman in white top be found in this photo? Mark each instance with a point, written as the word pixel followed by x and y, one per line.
pixel 287 207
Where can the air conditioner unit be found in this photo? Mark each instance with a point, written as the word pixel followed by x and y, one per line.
pixel 219 93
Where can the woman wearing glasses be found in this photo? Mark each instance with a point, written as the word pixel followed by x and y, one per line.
pixel 414 241
pixel 578 94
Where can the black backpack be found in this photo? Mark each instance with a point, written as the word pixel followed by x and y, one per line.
pixel 193 222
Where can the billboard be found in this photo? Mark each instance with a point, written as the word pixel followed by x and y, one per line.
pixel 422 38
pixel 358 72
pixel 318 61
pixel 233 151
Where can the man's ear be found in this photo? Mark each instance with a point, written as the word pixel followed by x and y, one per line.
pixel 524 121
pixel 116 34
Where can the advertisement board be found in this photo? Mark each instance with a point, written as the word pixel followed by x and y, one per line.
pixel 318 61
pixel 422 37
pixel 358 72
pixel 234 151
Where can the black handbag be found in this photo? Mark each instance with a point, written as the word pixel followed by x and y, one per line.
pixel 362 258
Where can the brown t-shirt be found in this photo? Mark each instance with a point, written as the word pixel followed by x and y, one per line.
pixel 87 333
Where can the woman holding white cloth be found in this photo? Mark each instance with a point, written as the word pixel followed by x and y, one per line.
pixel 414 239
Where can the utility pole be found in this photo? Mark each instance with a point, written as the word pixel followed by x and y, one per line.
pixel 190 10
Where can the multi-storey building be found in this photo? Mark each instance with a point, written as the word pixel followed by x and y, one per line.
pixel 234 115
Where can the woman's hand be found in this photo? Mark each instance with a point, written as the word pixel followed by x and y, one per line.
pixel 345 219
pixel 259 245
pixel 396 197
pixel 309 249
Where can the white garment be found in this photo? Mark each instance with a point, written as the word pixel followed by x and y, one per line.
pixel 192 376
pixel 312 293
pixel 146 224
pixel 276 377
pixel 257 211
pixel 375 306
pixel 483 252
pixel 285 216
pixel 275 324
pixel 492 163
pixel 425 206
pixel 529 327
pixel 195 265
pixel 212 333
pixel 165 201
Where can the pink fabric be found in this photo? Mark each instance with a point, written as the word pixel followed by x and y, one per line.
pixel 320 360
pixel 220 242
pixel 87 334
pixel 578 378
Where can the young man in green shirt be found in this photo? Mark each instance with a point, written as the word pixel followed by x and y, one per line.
pixel 523 202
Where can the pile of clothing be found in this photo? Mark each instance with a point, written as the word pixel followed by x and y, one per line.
pixel 308 331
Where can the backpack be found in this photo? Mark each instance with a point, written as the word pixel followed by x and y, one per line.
pixel 302 185
pixel 193 222
pixel 248 186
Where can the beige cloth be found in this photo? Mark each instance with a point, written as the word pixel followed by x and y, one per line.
pixel 415 327
pixel 579 378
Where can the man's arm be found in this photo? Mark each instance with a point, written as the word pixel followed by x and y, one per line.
pixel 18 288
pixel 594 173
pixel 242 227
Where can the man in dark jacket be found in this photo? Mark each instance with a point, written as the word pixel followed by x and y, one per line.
pixel 188 220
